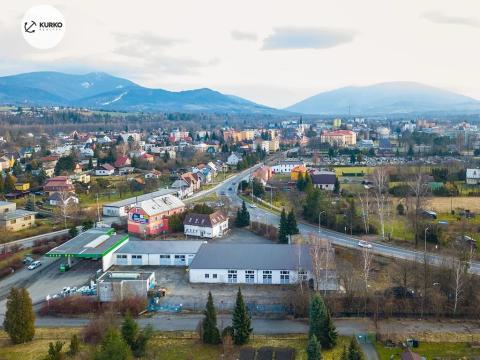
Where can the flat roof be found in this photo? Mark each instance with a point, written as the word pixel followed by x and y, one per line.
pixel 94 242
pixel 160 247
pixel 118 276
pixel 139 198
pixel 253 257
pixel 16 214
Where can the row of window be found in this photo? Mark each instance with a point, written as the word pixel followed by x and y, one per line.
pixel 250 276
pixel 181 257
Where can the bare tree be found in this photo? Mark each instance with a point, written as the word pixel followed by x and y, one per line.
pixel 364 198
pixel 418 186
pixel 322 255
pixel 380 184
pixel 367 257
pixel 66 206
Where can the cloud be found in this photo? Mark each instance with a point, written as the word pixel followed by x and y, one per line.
pixel 306 38
pixel 441 18
pixel 243 35
pixel 150 51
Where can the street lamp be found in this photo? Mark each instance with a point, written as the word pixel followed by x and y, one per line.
pixel 425 240
pixel 319 220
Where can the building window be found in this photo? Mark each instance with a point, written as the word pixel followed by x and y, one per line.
pixel 249 276
pixel 232 276
pixel 284 277
pixel 121 256
pixel 136 256
pixel 164 256
pixel 207 276
pixel 13 221
pixel 302 276
pixel 267 276
pixel 214 276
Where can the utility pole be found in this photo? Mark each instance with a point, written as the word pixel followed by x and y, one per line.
pixel 424 270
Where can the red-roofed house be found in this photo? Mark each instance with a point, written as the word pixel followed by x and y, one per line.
pixel 104 170
pixel 192 180
pixel 58 184
pixel 122 161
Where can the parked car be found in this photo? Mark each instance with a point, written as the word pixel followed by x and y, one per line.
pixel 365 244
pixel 34 265
pixel 253 206
pixel 27 260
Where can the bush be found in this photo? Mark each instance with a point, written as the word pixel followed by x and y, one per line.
pixel 72 305
pixel 132 305
pixel 97 327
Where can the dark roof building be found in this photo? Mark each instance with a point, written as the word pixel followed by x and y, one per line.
pixel 205 220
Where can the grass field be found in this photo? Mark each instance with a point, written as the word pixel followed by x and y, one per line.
pixel 444 204
pixel 430 351
pixel 166 346
pixel 352 169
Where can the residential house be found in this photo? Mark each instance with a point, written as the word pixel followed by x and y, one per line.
pixel 297 172
pixel 12 219
pixel 183 188
pixel 206 225
pixel 154 174
pixel 104 170
pixel 6 163
pixel 191 179
pixel 286 167
pixel 122 161
pixel 473 176
pixel 150 217
pixel 263 174
pixel 63 199
pixel 234 158
pixel 324 180
pixel 58 184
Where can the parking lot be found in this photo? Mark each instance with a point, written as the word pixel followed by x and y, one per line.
pixel 47 279
pixel 194 296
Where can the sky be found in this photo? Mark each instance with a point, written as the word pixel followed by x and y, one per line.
pixel 274 52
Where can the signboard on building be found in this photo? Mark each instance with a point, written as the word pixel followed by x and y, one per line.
pixel 140 218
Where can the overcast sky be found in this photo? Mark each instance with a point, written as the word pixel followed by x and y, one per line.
pixel 273 52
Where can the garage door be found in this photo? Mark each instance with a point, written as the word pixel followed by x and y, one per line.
pixel 165 260
pixel 179 260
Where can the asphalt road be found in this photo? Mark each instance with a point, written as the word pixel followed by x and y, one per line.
pixel 339 239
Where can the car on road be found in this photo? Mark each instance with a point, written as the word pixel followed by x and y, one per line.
pixel 365 244
pixel 27 260
pixel 230 189
pixel 253 206
pixel 34 265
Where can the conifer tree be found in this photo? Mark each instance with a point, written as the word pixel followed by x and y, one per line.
pixel 19 320
pixel 55 351
pixel 243 216
pixel 313 348
pixel 283 228
pixel 321 324
pixel 241 322
pixel 9 185
pixel 211 335
pixel 113 347
pixel 292 223
pixel 2 183
pixel 354 351
pixel 74 345
pixel 129 330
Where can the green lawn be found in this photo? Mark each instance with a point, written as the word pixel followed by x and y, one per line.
pixel 166 346
pixel 430 351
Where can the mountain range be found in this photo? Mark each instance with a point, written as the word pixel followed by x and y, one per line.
pixel 103 91
pixel 386 98
pixel 99 90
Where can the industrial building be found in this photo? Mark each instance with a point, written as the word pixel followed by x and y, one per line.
pixel 157 253
pixel 261 264
pixel 121 208
pixel 95 243
pixel 119 285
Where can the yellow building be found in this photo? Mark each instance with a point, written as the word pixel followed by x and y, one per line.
pixel 337 123
pixel 339 138
pixel 297 171
pixel 22 186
